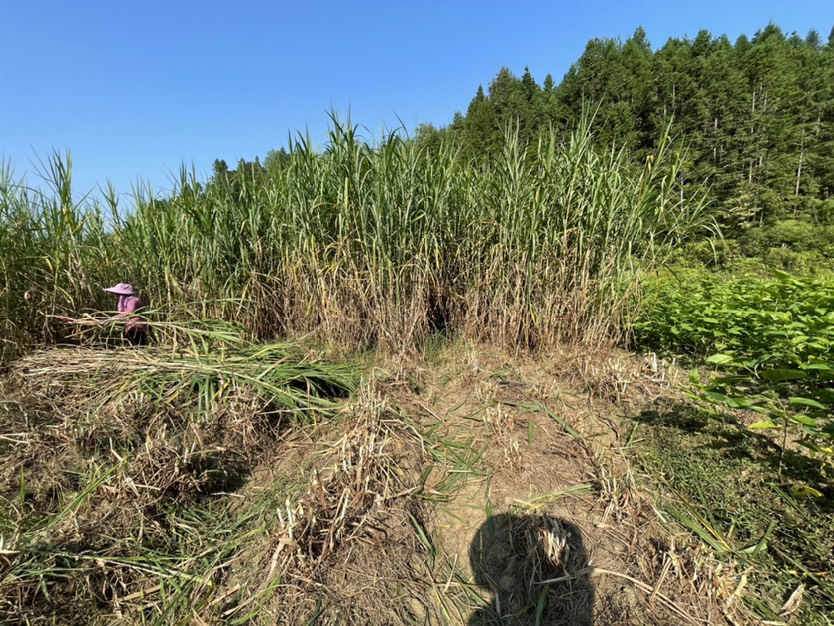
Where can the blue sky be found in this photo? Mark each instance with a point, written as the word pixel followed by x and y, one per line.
pixel 135 89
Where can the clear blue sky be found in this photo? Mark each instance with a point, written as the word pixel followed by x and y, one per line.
pixel 135 89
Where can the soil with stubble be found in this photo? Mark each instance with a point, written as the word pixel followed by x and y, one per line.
pixel 470 487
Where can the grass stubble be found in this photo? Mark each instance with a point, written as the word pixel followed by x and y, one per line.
pixel 145 499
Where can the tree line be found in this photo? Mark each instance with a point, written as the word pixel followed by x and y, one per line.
pixel 756 116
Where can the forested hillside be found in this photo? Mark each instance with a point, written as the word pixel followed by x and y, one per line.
pixel 757 117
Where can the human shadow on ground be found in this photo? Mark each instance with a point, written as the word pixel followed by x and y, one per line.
pixel 536 568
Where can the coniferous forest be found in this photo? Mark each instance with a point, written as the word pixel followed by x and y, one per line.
pixel 755 116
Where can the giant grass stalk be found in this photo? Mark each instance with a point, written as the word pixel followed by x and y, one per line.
pixel 54 254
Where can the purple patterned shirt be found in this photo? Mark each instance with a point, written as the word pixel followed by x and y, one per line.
pixel 128 305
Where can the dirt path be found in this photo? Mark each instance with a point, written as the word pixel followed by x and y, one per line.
pixel 547 495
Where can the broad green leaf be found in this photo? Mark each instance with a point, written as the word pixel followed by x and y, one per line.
pixel 720 359
pixel 763 425
pixel 739 402
pixel 775 333
pixel 717 396
pixel 730 380
pixel 801 418
pixel 797 401
pixel 817 367
pixel 804 491
pixel 781 375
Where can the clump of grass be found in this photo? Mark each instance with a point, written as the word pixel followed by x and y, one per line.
pixel 54 254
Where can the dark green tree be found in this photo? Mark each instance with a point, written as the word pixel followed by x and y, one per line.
pixel 481 130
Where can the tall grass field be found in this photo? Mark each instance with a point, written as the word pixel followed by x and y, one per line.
pixel 365 244
pixel 364 351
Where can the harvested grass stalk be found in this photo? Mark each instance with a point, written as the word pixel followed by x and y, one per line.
pixel 350 543
pixel 107 489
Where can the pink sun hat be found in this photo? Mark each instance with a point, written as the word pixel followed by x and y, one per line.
pixel 122 289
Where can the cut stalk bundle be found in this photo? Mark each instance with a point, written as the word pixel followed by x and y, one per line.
pixel 114 449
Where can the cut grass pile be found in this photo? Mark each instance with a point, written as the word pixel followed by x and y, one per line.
pixel 117 465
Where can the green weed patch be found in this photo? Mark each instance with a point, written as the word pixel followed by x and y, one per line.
pixel 719 483
pixel 772 343
pixel 783 322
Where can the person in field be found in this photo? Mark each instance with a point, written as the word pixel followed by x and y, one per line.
pixel 136 328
